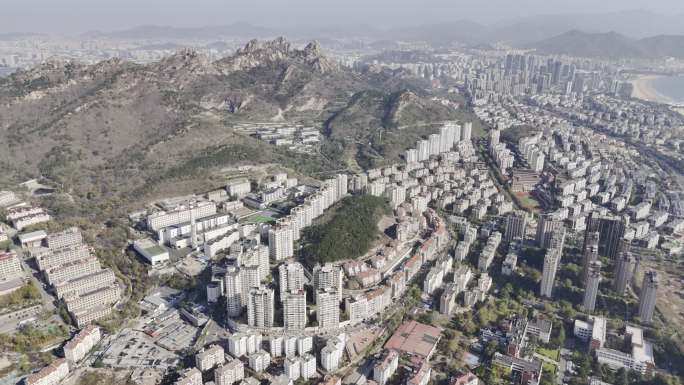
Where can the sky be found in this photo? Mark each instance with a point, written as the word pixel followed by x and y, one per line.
pixel 75 16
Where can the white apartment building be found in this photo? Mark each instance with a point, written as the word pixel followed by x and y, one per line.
pixel 447 301
pixel 69 237
pixel 52 374
pixel 327 309
pixel 307 366
pixel 210 357
pixel 229 373
pixel 331 354
pixel 294 310
pixel 85 316
pixel 260 307
pixel 99 297
pixel 46 259
pixel 290 346
pixel 304 344
pixel 241 344
pixel 10 266
pixel 328 276
pixel 86 283
pixel 238 188
pixel 233 291
pixel 82 343
pixel 551 261
pixel 385 369
pixel 24 222
pixel 182 213
pixel 72 270
pixel 7 198
pixel 292 368
pixel 259 361
pixel 280 242
pixel 275 346
pixel 190 377
pixel 291 277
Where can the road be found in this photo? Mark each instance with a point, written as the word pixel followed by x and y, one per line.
pixel 48 300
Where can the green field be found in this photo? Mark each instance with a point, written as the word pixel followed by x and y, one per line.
pixel 259 218
pixel 527 201
pixel 550 353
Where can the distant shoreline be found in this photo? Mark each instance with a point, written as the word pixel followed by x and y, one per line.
pixel 643 89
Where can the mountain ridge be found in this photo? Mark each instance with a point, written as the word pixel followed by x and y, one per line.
pixel 610 45
pixel 116 126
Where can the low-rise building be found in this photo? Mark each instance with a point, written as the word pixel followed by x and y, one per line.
pixel 190 376
pixel 593 331
pixel 82 343
pixel 152 252
pixel 641 358
pixel 52 374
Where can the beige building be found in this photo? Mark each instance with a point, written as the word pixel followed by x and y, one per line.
pixel 77 348
pixel 52 374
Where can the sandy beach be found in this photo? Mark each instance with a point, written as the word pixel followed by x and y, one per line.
pixel 644 90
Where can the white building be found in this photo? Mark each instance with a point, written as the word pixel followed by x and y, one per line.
pixel 229 373
pixel 294 310
pixel 281 241
pixel 385 369
pixel 152 252
pixel 259 361
pixel 77 348
pixel 260 307
pixel 52 374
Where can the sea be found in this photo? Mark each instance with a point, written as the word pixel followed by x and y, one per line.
pixel 671 87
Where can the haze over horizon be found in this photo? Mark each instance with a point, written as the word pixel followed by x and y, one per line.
pixel 78 16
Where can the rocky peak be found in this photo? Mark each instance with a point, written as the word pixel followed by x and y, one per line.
pixel 254 46
pixel 313 49
pixel 280 51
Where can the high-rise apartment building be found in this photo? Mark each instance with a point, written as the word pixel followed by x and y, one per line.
pixel 516 223
pixel 591 287
pixel 327 309
pixel 590 251
pixel 467 132
pixel 551 262
pixel 612 232
pixel 233 289
pixel 291 277
pixel 647 299
pixel 624 268
pixel 294 310
pixel 328 276
pixel 260 307
pixel 546 225
pixel 280 241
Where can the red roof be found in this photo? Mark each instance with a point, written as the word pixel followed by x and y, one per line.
pixel 414 338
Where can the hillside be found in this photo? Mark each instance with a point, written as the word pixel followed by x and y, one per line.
pixel 119 131
pixel 610 45
pixel 350 232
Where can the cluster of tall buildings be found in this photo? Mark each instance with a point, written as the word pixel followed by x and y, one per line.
pixel 520 75
pixel 450 134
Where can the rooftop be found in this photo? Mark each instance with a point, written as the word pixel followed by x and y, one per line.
pixel 414 338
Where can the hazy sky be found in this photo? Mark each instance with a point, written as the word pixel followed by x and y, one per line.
pixel 85 15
